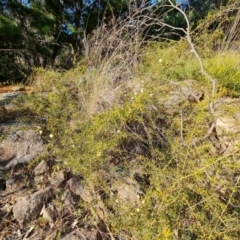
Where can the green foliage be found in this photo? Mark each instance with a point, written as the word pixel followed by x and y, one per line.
pixel 187 190
pixel 9 31
pixel 177 62
pixel 225 68
pixel 144 133
pixel 172 61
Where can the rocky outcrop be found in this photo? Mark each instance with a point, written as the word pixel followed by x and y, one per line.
pixel 29 207
pixel 228 124
pixel 42 199
pixel 81 234
pixel 179 92
pixel 20 148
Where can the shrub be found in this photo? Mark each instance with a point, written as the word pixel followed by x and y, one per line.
pixel 225 68
pixel 109 131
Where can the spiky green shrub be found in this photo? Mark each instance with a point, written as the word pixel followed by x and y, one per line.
pixel 187 188
pixel 177 62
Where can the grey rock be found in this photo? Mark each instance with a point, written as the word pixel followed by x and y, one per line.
pixel 179 92
pixel 126 193
pixel 79 189
pixel 60 180
pixel 75 185
pixel 20 147
pixel 51 236
pixel 89 195
pixel 29 207
pixel 38 235
pixel 228 124
pixel 39 181
pixel 11 237
pixel 41 168
pixel 70 198
pixel 48 215
pixel 8 96
pixel 15 182
pixel 81 234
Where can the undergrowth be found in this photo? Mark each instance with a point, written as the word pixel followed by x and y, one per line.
pixel 175 61
pixel 139 129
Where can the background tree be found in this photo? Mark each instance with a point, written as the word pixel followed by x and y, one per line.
pixel 53 33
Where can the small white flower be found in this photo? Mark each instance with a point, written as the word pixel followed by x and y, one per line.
pixel 138 196
pixel 160 60
pixel 118 131
pixel 99 154
pixel 141 90
pixel 132 98
pixel 51 135
pixel 40 132
pixel 143 202
pixel 138 210
pixel 135 93
pixel 117 201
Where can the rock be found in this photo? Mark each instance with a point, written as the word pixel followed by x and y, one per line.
pixel 79 189
pixel 29 207
pixel 15 182
pixel 41 168
pixel 20 147
pixel 100 209
pixel 3 110
pixel 51 236
pixel 7 207
pixel 40 181
pixel 38 235
pixel 60 179
pixel 17 195
pixel 69 198
pixel 48 215
pixel 6 97
pixel 81 234
pixel 179 92
pixel 228 124
pixel 42 175
pixel 89 195
pixel 126 193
